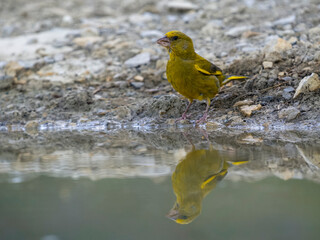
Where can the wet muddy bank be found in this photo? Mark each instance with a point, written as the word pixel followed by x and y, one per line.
pixel 78 63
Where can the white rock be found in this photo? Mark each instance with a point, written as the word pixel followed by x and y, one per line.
pixel 86 41
pixel 140 59
pixel 237 31
pixel 181 6
pixel 247 110
pixel 286 20
pixel 151 33
pixel 274 47
pixel 289 113
pixel 14 47
pixel 244 102
pixel 309 83
pixel 267 64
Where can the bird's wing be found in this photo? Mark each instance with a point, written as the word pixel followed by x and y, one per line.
pixel 218 177
pixel 206 67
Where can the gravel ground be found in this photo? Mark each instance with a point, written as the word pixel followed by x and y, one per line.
pixel 81 61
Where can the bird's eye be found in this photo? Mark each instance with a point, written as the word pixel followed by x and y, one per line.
pixel 183 217
pixel 174 38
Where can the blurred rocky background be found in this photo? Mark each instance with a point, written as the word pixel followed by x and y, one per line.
pixel 98 60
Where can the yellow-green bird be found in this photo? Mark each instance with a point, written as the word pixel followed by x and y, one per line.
pixel 194 177
pixel 191 75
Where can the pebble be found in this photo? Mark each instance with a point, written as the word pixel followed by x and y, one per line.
pixel 267 64
pixel 289 113
pixel 137 85
pixel 32 127
pixel 138 78
pixel 278 45
pixel 181 6
pixel 309 83
pixel 247 110
pixel 249 139
pixel 2 64
pixel 12 68
pixel 286 94
pixel 5 81
pixel 316 56
pixel 140 59
pixel 293 40
pixel 288 89
pixel 286 20
pixel 237 31
pixel 87 41
pixel 244 102
pixel 151 34
pixel 213 125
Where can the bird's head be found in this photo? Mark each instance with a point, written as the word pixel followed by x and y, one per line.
pixel 178 43
pixel 185 214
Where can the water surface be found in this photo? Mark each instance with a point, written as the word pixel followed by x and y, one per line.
pixel 164 184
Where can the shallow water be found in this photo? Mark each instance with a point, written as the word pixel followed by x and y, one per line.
pixel 158 184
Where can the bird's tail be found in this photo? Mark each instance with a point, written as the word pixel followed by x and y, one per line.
pixel 231 78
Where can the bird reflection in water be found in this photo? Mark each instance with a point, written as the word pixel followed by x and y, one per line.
pixel 194 177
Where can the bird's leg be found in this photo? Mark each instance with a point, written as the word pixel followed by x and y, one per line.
pixel 184 115
pixel 205 115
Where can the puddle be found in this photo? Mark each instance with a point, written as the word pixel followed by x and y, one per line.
pixel 121 182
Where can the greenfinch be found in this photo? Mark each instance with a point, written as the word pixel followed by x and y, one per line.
pixel 194 177
pixel 191 75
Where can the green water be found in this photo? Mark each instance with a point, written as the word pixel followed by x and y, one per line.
pixel 136 208
pixel 124 190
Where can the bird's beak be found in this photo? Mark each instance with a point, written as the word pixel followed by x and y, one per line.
pixel 173 214
pixel 165 42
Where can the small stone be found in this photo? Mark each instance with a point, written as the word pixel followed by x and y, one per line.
pixel 31 127
pixel 287 78
pixel 244 102
pixel 286 20
pixel 249 139
pixel 267 64
pixel 237 31
pixel 314 32
pixel 274 47
pixel 87 41
pixel 6 81
pixel 282 45
pixel 281 74
pixel 212 125
pixel 138 78
pixel 123 112
pixel 249 34
pixel 137 85
pixel 140 59
pixel 293 40
pixel 286 95
pixel 247 110
pixel 12 68
pixel 101 112
pixel 309 83
pixel 170 121
pixel 288 89
pixel 317 56
pixel 181 6
pixel 67 19
pixel 151 34
pixel 289 113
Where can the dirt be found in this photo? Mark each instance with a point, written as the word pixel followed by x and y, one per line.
pixel 68 61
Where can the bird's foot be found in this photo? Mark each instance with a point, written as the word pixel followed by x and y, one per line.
pixel 203 119
pixel 183 117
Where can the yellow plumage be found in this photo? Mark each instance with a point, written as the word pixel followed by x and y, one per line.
pixel 194 177
pixel 190 74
